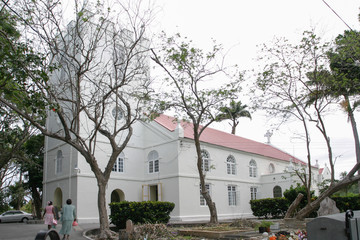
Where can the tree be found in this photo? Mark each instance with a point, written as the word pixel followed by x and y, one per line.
pixel 189 73
pixel 283 90
pixel 310 87
pixel 32 167
pixel 233 112
pixel 96 63
pixel 345 67
pixel 14 130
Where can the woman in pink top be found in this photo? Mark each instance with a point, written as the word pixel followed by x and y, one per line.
pixel 49 214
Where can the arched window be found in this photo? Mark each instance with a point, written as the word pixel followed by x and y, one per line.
pixel 119 163
pixel 271 168
pixel 277 192
pixel 153 158
pixel 205 160
pixel 252 168
pixel 231 165
pixel 59 161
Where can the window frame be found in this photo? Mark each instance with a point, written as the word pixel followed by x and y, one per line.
pixel 119 165
pixel 276 189
pixel 232 199
pixel 205 156
pixel 254 192
pixel 154 163
pixel 59 162
pixel 252 168
pixel 231 165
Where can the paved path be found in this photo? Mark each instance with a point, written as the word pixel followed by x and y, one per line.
pixel 23 231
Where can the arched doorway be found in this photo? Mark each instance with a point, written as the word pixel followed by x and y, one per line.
pixel 117 195
pixel 58 196
pixel 277 192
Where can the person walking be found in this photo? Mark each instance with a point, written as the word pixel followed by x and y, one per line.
pixel 68 216
pixel 49 213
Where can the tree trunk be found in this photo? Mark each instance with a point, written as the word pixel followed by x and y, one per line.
pixel 355 133
pixel 294 205
pixel 204 191
pixel 36 201
pixel 103 216
pixel 309 208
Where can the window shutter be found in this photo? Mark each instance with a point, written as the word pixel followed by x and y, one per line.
pixel 159 186
pixel 145 192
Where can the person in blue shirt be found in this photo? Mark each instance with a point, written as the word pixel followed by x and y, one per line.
pixel 68 216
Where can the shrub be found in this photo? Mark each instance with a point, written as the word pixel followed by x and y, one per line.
pixel 140 212
pixel 269 207
pixel 346 203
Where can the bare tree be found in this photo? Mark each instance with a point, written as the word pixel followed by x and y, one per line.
pixel 190 72
pixel 98 66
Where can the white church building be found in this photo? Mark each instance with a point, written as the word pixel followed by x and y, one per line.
pixel 159 164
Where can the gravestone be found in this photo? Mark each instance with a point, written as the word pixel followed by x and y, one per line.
pixel 129 230
pixel 129 227
pixel 327 207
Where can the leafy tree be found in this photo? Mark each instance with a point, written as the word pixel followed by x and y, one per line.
pixel 233 112
pixel 4 206
pixel 32 167
pixel 16 193
pixel 96 65
pixel 14 130
pixel 293 192
pixel 189 72
pixel 345 67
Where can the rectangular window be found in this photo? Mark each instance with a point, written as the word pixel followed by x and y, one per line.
pixel 253 193
pixel 59 165
pixel 114 169
pixel 206 165
pixel 156 167
pixel 121 164
pixel 151 166
pixel 228 168
pixel 202 199
pixel 232 195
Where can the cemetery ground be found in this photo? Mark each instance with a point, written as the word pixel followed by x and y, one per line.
pixel 281 229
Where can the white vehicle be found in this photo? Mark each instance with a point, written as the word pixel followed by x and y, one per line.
pixel 15 216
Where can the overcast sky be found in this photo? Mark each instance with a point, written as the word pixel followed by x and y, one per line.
pixel 242 25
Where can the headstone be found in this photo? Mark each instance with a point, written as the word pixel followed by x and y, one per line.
pixel 327 207
pixel 129 227
pixel 275 226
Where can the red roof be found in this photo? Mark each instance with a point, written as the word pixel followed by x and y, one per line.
pixel 321 170
pixel 228 140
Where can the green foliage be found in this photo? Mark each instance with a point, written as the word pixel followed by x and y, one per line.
pixel 27 207
pixel 344 63
pixel 265 224
pixel 346 203
pixel 292 193
pixel 21 71
pixel 269 207
pixel 233 112
pixel 4 206
pixel 140 212
pixel 16 193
